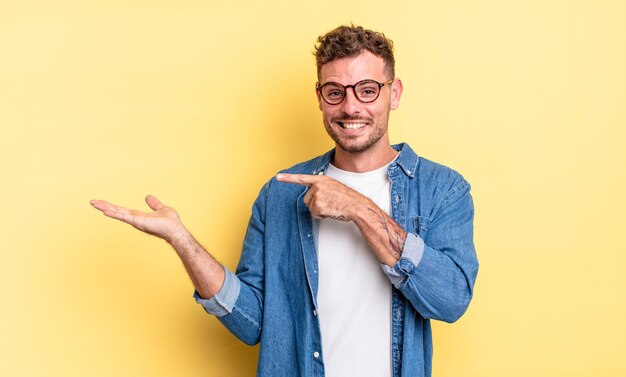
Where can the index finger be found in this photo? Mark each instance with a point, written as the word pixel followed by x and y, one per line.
pixel 299 179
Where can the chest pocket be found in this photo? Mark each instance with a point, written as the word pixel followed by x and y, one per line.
pixel 421 224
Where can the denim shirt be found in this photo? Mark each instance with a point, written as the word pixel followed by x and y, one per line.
pixel 272 297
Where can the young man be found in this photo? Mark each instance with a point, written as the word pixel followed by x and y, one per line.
pixel 349 255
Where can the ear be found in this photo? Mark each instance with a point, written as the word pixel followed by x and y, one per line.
pixel 396 93
pixel 319 97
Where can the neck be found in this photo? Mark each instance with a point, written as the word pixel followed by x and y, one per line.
pixel 364 161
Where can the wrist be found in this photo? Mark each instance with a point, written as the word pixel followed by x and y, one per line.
pixel 178 236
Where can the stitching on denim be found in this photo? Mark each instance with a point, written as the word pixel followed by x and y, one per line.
pixel 244 315
pixel 454 190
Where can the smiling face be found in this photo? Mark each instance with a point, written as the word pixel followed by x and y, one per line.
pixel 358 127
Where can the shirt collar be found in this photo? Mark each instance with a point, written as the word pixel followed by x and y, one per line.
pixel 407 160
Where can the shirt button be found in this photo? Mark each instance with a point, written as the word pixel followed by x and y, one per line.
pixel 316 354
pixel 314 313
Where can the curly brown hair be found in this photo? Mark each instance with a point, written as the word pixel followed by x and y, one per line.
pixel 350 41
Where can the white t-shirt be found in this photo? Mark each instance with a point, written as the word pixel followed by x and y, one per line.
pixel 354 294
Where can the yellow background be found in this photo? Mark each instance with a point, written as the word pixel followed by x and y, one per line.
pixel 199 103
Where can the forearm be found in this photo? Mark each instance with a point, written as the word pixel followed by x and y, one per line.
pixel 204 271
pixel 385 237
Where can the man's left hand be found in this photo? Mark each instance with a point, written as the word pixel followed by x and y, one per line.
pixel 328 198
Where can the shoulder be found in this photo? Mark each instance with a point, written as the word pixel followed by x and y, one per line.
pixel 426 171
pixel 433 180
pixel 435 172
pixel 441 181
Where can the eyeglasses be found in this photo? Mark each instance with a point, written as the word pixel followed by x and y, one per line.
pixel 365 91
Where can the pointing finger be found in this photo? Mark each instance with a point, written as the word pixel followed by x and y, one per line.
pixel 299 179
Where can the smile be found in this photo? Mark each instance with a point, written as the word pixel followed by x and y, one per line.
pixel 351 126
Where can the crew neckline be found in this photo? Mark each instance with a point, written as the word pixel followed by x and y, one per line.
pixel 363 178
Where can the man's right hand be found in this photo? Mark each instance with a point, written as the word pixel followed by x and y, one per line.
pixel 205 272
pixel 164 222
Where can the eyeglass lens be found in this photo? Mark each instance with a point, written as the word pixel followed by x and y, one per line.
pixel 365 91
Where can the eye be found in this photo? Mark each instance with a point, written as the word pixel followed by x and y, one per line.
pixel 368 91
pixel 334 93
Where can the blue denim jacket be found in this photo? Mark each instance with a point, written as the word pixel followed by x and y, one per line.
pixel 272 296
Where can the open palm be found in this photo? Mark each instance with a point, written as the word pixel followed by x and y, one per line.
pixel 163 222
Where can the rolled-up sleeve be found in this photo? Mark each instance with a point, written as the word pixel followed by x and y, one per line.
pixel 411 256
pixel 224 300
pixel 441 285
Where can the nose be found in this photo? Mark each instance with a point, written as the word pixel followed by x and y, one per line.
pixel 350 104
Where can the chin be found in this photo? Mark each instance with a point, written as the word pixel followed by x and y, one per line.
pixel 354 148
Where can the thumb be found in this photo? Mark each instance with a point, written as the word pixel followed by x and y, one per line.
pixel 154 203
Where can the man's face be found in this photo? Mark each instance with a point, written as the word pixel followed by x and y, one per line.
pixel 357 127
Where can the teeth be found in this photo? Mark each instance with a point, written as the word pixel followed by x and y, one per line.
pixel 353 126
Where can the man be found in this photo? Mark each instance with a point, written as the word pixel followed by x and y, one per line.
pixel 346 256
